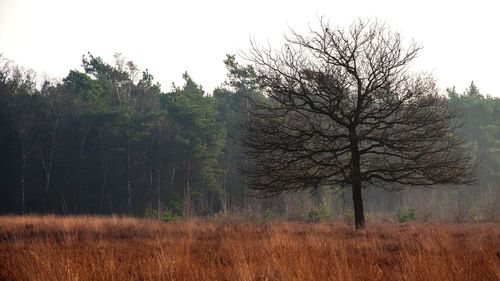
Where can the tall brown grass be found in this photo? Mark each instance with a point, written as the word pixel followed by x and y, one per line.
pixel 99 248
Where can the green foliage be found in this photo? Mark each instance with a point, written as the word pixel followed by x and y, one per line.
pixel 199 137
pixel 169 215
pixel 150 213
pixel 473 214
pixel 81 86
pixel 405 215
pixel 320 214
pixel 175 206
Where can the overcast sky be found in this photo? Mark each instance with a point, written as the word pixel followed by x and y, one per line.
pixel 460 38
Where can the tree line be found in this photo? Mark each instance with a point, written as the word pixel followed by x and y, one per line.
pixel 107 140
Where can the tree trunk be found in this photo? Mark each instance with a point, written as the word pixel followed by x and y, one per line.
pixel 104 183
pixel 171 182
pixel 47 166
pixel 150 188
pixel 359 216
pixel 187 192
pixel 23 169
pixel 80 170
pixel 158 174
pixel 14 162
pixel 225 194
pixel 151 171
pixel 129 185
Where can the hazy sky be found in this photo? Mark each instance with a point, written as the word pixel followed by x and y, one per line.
pixel 460 38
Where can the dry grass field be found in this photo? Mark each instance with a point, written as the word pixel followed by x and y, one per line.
pixel 95 248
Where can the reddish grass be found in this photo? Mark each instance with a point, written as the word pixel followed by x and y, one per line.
pixel 97 248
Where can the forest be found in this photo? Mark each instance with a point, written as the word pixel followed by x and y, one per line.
pixel 108 139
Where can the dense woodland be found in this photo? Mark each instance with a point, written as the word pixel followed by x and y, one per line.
pixel 107 140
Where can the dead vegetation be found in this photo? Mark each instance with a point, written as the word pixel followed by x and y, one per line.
pixel 103 248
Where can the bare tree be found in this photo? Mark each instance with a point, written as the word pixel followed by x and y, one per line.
pixel 343 110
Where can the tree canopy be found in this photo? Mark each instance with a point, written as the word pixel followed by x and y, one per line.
pixel 345 110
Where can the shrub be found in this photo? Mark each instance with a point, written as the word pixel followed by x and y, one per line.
pixel 166 215
pixel 473 214
pixel 313 216
pixel 322 213
pixel 406 215
pixel 169 215
pixel 150 213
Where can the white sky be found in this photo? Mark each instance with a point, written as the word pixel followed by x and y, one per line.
pixel 460 38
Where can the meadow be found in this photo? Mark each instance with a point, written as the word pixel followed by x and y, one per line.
pixel 114 248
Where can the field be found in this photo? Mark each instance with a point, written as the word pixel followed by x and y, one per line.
pixel 113 248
